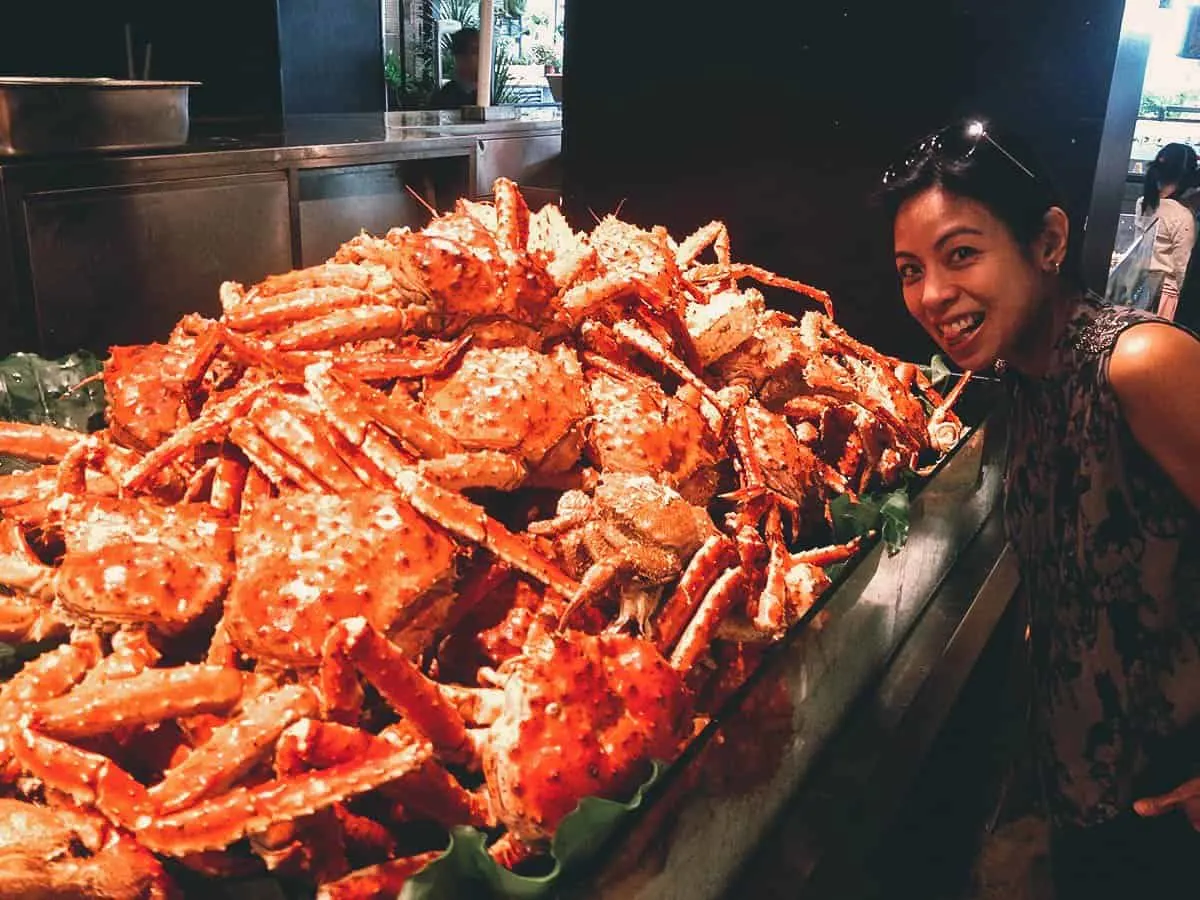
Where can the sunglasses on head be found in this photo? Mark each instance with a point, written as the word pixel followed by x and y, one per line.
pixel 957 143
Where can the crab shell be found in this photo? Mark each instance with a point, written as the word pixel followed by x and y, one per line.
pixel 634 514
pixel 60 852
pixel 133 561
pixel 514 399
pixel 584 715
pixel 143 387
pixel 636 427
pixel 308 561
pixel 788 466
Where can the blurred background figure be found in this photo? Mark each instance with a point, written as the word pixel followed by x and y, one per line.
pixel 1169 191
pixel 460 89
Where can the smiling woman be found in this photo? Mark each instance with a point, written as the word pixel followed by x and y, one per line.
pixel 1100 503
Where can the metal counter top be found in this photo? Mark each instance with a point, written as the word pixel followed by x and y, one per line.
pixel 308 141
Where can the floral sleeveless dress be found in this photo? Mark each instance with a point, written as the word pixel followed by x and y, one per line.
pixel 1109 553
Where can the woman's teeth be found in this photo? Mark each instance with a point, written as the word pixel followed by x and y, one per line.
pixel 958 328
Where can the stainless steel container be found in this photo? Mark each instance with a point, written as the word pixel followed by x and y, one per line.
pixel 74 115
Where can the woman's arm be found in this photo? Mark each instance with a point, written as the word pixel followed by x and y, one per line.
pixel 1155 372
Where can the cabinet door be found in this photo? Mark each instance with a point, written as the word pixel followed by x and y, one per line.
pixel 532 162
pixel 338 203
pixel 121 265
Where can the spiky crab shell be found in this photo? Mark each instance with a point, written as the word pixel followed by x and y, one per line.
pixel 636 427
pixel 63 852
pixel 513 399
pixel 308 561
pixel 650 512
pixel 788 466
pixel 130 560
pixel 583 717
pixel 143 388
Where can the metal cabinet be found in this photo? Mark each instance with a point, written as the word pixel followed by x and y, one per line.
pixel 533 162
pixel 337 203
pixel 115 250
pixel 119 265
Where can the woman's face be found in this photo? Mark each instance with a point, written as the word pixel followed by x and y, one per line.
pixel 965 278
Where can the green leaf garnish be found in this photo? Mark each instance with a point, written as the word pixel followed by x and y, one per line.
pixel 44 392
pixel 939 372
pixel 885 512
pixel 466 869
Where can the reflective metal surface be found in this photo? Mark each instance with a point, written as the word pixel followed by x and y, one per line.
pixel 72 115
pixel 693 835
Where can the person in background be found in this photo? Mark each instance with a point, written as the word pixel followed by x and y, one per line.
pixel 1100 502
pixel 460 89
pixel 1170 176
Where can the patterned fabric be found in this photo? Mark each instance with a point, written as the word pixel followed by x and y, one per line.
pixel 1109 552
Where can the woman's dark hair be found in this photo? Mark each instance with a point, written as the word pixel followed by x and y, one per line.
pixel 1000 171
pixel 1174 164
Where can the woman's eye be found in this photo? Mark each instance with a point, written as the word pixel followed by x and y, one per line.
pixel 962 254
pixel 909 272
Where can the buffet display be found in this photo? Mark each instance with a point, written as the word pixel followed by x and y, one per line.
pixel 469 526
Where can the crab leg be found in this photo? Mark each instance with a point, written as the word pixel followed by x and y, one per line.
pixel 342 326
pixel 352 405
pixel 714 234
pixel 229 481
pixel 201 481
pixel 211 426
pixel 132 653
pixel 945 429
pixel 384 879
pixel 638 338
pixel 149 697
pixel 49 675
pixel 319 276
pixel 24 487
pixel 37 443
pixel 25 619
pixel 308 302
pixel 234 748
pixel 714 555
pixel 297 435
pixel 354 646
pixel 717 602
pixel 94 780
pixel 386 366
pixel 314 744
pixel 466 519
pixel 20 568
pixel 477 469
pixel 279 469
pixel 735 271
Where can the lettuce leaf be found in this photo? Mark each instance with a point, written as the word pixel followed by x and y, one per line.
pixel 466 869
pixel 885 512
pixel 44 392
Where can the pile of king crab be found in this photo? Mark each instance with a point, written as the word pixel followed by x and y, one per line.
pixel 456 528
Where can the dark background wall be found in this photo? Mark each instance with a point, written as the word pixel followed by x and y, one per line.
pixel 255 58
pixel 778 117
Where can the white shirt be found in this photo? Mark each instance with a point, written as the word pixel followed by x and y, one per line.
pixel 1173 242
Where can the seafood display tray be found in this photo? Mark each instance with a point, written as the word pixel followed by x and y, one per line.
pixel 687 841
pixel 691 836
